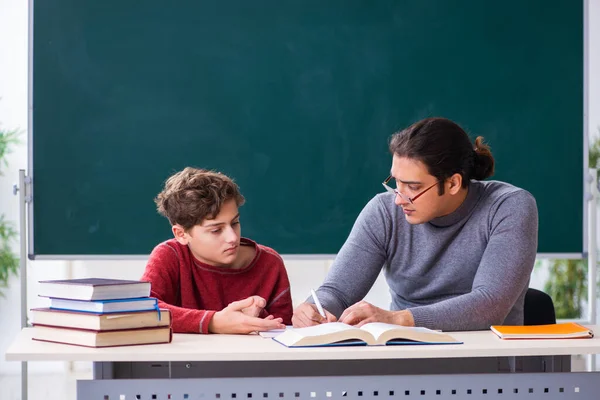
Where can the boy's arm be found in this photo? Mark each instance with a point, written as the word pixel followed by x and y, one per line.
pixel 162 271
pixel 187 320
pixel 280 303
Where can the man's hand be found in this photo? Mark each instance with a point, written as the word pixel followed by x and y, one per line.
pixel 232 319
pixel 258 304
pixel 362 313
pixel 306 314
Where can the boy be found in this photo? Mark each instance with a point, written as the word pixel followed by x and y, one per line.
pixel 209 277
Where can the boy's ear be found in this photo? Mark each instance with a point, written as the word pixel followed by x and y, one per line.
pixel 180 234
pixel 455 183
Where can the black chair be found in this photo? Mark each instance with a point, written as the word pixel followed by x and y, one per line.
pixel 538 308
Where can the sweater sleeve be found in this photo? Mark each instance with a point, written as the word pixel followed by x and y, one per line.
pixel 502 274
pixel 162 271
pixel 359 261
pixel 280 303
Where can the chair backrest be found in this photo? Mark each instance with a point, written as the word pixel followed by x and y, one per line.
pixel 538 308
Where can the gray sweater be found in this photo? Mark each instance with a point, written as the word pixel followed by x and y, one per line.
pixel 464 271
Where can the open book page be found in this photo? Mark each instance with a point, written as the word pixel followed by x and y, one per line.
pixel 384 333
pixel 376 333
pixel 324 334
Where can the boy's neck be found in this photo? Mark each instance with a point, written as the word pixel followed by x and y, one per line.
pixel 245 256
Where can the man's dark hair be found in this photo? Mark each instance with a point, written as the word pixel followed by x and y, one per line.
pixel 445 149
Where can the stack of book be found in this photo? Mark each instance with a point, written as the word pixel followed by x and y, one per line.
pixel 97 312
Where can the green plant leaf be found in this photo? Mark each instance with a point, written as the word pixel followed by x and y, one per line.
pixel 594 152
pixel 9 262
pixel 567 286
pixel 8 138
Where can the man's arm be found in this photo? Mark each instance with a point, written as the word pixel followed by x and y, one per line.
pixel 359 261
pixel 503 272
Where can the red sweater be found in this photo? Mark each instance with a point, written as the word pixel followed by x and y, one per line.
pixel 194 291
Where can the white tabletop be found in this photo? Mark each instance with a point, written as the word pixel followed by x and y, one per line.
pixel 255 348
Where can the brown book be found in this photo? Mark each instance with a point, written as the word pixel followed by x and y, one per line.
pixel 99 321
pixel 90 338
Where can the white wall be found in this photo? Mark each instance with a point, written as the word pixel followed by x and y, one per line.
pixel 13 114
pixel 593 50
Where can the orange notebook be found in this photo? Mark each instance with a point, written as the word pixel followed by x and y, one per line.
pixel 568 330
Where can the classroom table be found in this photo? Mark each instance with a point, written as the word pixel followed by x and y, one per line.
pixel 249 367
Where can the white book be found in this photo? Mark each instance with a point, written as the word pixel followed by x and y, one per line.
pixel 105 306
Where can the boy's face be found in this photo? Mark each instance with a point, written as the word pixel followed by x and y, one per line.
pixel 215 241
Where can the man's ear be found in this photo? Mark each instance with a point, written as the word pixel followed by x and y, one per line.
pixel 180 234
pixel 455 183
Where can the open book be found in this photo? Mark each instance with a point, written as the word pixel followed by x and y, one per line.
pixel 372 334
pixel 568 330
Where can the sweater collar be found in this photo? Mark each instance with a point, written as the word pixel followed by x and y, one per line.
pixel 464 210
pixel 229 271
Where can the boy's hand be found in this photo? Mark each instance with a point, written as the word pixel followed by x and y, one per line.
pixel 306 314
pixel 232 319
pixel 258 304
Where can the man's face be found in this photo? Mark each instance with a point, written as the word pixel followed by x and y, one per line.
pixel 215 241
pixel 412 178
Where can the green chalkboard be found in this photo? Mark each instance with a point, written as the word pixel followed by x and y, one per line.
pixel 296 101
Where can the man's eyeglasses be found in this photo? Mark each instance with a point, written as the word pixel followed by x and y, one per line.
pixel 404 197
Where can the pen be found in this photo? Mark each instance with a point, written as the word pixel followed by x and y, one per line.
pixel 317 303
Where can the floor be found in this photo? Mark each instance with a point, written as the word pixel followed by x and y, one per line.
pixel 63 386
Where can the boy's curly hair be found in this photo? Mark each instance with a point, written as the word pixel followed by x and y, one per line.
pixel 193 195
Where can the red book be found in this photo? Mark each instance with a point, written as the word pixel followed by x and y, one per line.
pixel 91 338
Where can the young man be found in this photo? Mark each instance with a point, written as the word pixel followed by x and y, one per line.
pixel 212 279
pixel 457 252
